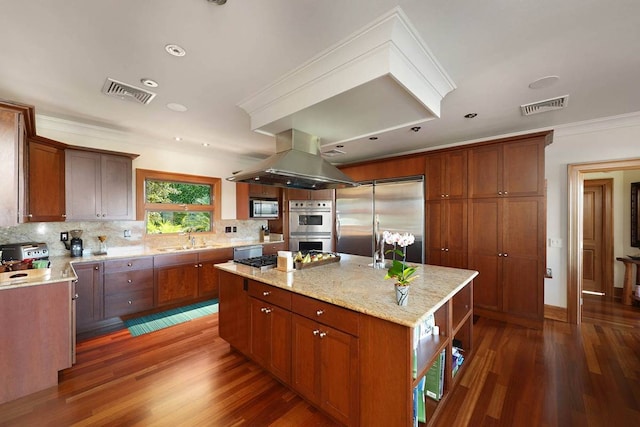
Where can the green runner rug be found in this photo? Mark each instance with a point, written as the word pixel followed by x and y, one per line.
pixel 164 319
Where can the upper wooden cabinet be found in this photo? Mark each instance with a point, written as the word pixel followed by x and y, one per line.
pixel 12 135
pixel 98 186
pixel 298 194
pixel 45 181
pixel 446 175
pixel 514 168
pixel 264 191
pixel 396 167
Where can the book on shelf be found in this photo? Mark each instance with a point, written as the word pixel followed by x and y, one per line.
pixel 457 360
pixel 419 408
pixel 434 379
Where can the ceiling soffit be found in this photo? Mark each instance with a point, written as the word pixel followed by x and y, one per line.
pixel 380 78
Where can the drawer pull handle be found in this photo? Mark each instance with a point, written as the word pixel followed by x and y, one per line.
pixel 316 332
pixel 323 334
pixel 265 310
pixel 130 302
pixel 129 281
pixel 266 293
pixel 319 312
pixel 129 264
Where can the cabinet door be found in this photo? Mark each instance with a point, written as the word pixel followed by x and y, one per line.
pixel 10 143
pixel 485 237
pixel 270 337
pixel 208 284
pixel 523 166
pixel 82 185
pixel 267 191
pixel 176 283
pixel 90 291
pixel 455 212
pixel 233 311
pixel 456 174
pixel 260 331
pixel 116 200
pixel 297 194
pixel 305 360
pixel 338 374
pixel 273 248
pixel 523 256
pixel 436 232
pixel 485 171
pixel 46 198
pixel 242 200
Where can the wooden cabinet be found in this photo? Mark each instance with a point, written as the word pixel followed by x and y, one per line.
pixel 36 335
pixel 325 357
pixel 246 192
pixel 89 289
pixel 446 238
pixel 128 286
pixel 12 135
pixel 270 328
pixel 98 186
pixel 273 248
pixel 176 278
pixel 208 278
pixel 506 245
pixel 264 191
pixel 233 314
pixel 397 167
pixel 45 181
pixel 446 175
pixel 514 168
pixel 298 194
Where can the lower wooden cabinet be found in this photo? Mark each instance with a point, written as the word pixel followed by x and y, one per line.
pixel 176 278
pixel 89 289
pixel 270 337
pixel 324 368
pixel 233 312
pixel 208 282
pixel 128 286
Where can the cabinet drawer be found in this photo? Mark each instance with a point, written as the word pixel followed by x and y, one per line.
pixel 116 265
pixel 175 259
pixel 329 314
pixel 128 302
pixel 218 255
pixel 127 281
pixel 270 294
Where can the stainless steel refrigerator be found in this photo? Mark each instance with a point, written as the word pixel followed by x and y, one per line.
pixel 363 213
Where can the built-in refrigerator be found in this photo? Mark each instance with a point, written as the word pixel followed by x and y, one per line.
pixel 363 213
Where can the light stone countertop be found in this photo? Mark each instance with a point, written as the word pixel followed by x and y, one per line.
pixel 352 283
pixel 61 268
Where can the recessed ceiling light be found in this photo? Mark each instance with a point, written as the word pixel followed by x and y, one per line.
pixel 177 138
pixel 175 50
pixel 372 138
pixel 470 115
pixel 176 107
pixel 415 128
pixel 543 82
pixel 149 82
pixel 340 146
pixel 205 144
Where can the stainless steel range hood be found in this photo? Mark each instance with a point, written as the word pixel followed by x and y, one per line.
pixel 296 164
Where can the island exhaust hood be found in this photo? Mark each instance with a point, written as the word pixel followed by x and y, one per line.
pixel 296 164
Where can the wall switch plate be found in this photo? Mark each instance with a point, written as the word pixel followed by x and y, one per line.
pixel 235 229
pixel 555 242
pixel 127 233
pixel 64 236
pixel 548 273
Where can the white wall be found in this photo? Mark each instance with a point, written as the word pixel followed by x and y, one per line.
pixel 182 157
pixel 606 139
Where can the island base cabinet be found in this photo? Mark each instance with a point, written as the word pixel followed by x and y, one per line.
pixel 325 368
pixel 36 335
pixel 233 311
pixel 271 338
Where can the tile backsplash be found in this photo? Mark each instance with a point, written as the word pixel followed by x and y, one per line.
pixel 49 232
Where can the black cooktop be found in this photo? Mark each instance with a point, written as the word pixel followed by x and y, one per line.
pixel 264 261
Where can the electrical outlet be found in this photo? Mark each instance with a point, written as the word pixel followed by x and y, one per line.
pixel 235 229
pixel 555 242
pixel 64 236
pixel 227 229
pixel 127 233
pixel 548 273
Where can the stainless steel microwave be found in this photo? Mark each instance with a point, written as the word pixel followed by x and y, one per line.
pixel 263 208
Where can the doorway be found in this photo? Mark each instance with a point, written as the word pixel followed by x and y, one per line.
pixel 597 240
pixel 576 178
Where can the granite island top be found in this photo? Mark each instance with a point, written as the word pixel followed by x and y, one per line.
pixel 61 267
pixel 352 283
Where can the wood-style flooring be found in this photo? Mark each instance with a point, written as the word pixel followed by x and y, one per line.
pixel 186 375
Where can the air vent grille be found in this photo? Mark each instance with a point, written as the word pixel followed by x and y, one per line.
pixel 544 106
pixel 333 152
pixel 124 91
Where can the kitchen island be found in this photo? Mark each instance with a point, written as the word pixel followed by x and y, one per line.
pixel 335 334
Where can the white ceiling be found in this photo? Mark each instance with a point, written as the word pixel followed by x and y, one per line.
pixel 56 56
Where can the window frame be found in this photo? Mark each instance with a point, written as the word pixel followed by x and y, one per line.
pixel 142 175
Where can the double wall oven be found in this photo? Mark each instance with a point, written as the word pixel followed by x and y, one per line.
pixel 311 225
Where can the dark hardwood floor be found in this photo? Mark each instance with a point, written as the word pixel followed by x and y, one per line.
pixel 564 375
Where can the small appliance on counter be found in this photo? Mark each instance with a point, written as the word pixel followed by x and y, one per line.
pixel 22 256
pixel 75 246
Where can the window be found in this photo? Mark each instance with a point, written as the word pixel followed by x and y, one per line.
pixel 176 203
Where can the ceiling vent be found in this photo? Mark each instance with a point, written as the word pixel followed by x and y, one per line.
pixel 544 106
pixel 333 152
pixel 124 91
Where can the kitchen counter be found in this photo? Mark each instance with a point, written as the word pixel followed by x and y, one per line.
pixel 61 268
pixel 352 283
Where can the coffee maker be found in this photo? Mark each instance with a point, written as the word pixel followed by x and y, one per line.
pixel 76 243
